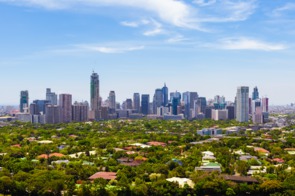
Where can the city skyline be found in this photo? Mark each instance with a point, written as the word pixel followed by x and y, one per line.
pixel 204 46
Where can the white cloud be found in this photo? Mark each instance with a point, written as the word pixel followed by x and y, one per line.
pixel 177 39
pixel 204 2
pixel 130 24
pixel 173 12
pixel 109 49
pixel 287 7
pixel 228 11
pixel 243 43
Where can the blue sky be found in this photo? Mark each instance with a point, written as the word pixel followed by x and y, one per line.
pixel 208 46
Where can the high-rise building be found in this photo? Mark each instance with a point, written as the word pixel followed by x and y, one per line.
pixel 38 107
pixel 193 96
pixel 264 104
pixel 186 101
pixel 136 102
pixel 52 114
pixel 165 95
pixel 145 101
pixel 219 102
pixel 128 104
pixel 158 100
pixel 201 104
pixel 80 111
pixel 95 100
pixel 24 100
pixel 112 102
pixel 65 103
pixel 255 94
pixel 175 95
pixel 242 104
pixel 230 112
pixel 51 97
pixel 175 102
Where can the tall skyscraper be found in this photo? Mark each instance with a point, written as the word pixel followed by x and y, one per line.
pixel 255 94
pixel 158 100
pixel 201 105
pixel 136 102
pixel 80 111
pixel 193 96
pixel 264 104
pixel 129 104
pixel 95 101
pixel 242 104
pixel 51 97
pixel 186 100
pixel 165 95
pixel 24 100
pixel 145 101
pixel 52 114
pixel 38 107
pixel 112 102
pixel 65 103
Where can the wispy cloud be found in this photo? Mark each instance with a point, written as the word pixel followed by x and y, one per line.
pixel 281 10
pixel 108 49
pixel 204 2
pixel 243 43
pixel 226 10
pixel 177 39
pixel 176 13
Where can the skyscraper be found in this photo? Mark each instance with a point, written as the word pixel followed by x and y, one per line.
pixel 80 111
pixel 129 104
pixel 201 104
pixel 95 102
pixel 255 94
pixel 51 97
pixel 136 102
pixel 242 104
pixel 165 95
pixel 158 100
pixel 112 102
pixel 52 114
pixel 24 100
pixel 264 104
pixel 145 101
pixel 38 106
pixel 65 103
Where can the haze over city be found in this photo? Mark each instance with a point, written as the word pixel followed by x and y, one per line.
pixel 207 46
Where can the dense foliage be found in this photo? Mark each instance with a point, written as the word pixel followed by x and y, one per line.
pixel 23 172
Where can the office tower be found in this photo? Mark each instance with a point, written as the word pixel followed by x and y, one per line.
pixel 175 95
pixel 157 100
pixel 230 112
pixel 201 104
pixel 136 102
pixel 165 95
pixel 80 111
pixel 52 114
pixel 175 102
pixel 145 101
pixel 186 100
pixel 65 103
pixel 33 109
pixel 219 102
pixel 265 104
pixel 193 96
pixel 24 100
pixel 112 102
pixel 208 112
pixel 219 114
pixel 38 106
pixel 128 104
pixel 242 104
pixel 51 97
pixel 95 100
pixel 257 115
pixel 255 94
